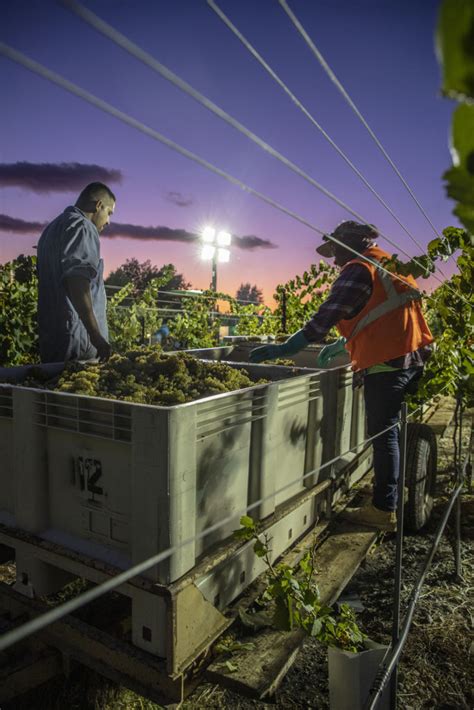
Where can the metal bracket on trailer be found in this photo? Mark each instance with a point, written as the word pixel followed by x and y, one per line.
pixel 111 657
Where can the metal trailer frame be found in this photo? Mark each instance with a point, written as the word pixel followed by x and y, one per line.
pixel 161 465
pixel 51 651
pixel 193 623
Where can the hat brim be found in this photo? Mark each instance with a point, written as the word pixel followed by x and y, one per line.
pixel 326 249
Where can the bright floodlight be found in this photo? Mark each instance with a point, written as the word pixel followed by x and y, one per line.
pixel 208 234
pixel 223 255
pixel 224 239
pixel 208 252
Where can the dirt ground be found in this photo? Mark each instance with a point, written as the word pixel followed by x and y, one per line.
pixel 436 669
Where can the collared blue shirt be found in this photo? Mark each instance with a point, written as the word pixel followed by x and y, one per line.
pixel 69 246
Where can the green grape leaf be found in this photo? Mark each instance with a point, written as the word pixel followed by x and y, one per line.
pixel 465 214
pixel 460 178
pixel 455 48
pixel 462 137
pixel 260 549
pixel 246 521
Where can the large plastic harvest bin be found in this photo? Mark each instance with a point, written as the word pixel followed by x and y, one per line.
pixel 7 468
pixel 345 410
pixel 121 481
pixel 7 489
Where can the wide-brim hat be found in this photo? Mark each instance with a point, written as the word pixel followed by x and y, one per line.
pixel 354 234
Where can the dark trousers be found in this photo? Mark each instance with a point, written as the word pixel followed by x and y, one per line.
pixel 384 393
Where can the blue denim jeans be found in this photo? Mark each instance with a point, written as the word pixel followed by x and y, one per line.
pixel 384 393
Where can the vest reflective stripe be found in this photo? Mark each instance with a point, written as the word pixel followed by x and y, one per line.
pixel 391 323
pixel 394 300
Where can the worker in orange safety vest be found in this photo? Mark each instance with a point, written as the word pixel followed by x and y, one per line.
pixel 384 332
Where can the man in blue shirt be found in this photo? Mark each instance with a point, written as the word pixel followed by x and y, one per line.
pixel 72 318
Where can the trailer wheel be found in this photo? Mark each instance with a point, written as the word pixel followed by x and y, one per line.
pixel 421 469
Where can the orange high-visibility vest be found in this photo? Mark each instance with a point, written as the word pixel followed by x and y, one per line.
pixel 391 324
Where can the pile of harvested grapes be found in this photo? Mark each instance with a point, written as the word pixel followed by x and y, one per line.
pixel 148 376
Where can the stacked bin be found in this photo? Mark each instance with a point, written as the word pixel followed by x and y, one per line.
pixel 7 477
pixel 345 411
pixel 121 481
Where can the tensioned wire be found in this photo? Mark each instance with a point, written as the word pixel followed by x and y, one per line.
pixel 176 313
pixel 49 617
pixel 118 38
pixel 177 303
pixel 59 612
pixel 225 19
pixel 184 294
pixel 353 106
pixel 59 80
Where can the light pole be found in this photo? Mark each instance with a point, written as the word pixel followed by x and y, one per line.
pixel 214 249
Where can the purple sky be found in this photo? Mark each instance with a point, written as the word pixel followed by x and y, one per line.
pixel 381 51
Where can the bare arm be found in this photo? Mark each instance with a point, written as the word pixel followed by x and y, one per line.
pixel 79 292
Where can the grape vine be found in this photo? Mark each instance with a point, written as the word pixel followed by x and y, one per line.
pixel 450 315
pixel 291 598
pixel 18 309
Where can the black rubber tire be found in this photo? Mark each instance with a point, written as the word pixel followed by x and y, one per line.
pixel 420 477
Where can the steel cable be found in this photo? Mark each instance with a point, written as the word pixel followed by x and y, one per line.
pixel 64 83
pixel 186 294
pixel 353 106
pixel 59 612
pixel 118 38
pixel 393 653
pixel 176 312
pixel 225 19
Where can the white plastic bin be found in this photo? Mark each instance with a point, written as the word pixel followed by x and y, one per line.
pixel 7 479
pixel 344 411
pixel 121 481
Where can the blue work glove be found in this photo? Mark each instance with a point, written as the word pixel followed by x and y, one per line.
pixel 329 352
pixel 161 333
pixel 294 344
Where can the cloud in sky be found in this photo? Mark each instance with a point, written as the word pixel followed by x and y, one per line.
pixel 250 241
pixel 136 231
pixel 177 198
pixel 55 177
pixel 19 226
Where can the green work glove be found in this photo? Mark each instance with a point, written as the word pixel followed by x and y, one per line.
pixel 294 344
pixel 329 352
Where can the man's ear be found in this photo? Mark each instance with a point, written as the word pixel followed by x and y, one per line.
pixel 98 205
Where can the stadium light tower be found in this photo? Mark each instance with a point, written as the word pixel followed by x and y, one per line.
pixel 214 248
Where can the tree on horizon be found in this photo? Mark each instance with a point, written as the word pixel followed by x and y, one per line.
pixel 247 292
pixel 141 273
